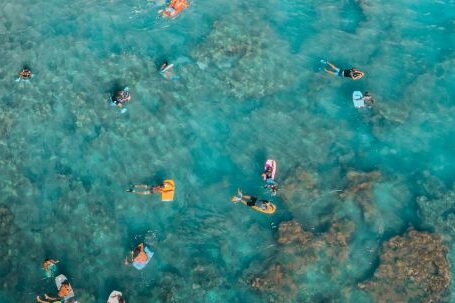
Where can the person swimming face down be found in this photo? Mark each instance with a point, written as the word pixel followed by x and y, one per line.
pixel 355 73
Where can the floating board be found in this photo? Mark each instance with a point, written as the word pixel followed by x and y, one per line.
pixel 58 282
pixel 357 99
pixel 142 265
pixel 270 210
pixel 167 193
pixel 167 68
pixel 114 297
pixel 272 164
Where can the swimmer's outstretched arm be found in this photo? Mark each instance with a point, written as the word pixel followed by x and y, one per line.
pixel 358 76
pixel 51 298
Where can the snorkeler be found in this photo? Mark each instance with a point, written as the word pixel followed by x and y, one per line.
pixel 368 99
pixel 147 189
pixel 250 200
pixel 174 8
pixel 116 297
pixel 64 292
pixel 268 173
pixel 167 71
pixel 272 186
pixel 50 267
pixel 25 74
pixel 138 255
pixel 121 97
pixel 352 73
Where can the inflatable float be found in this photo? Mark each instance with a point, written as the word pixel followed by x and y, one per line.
pixel 69 297
pixel 269 210
pixel 357 99
pixel 115 297
pixel 269 170
pixel 174 8
pixel 142 265
pixel 168 191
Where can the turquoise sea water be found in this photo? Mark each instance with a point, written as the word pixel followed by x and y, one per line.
pixel 249 89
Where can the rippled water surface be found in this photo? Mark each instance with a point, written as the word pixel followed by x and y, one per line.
pixel 250 88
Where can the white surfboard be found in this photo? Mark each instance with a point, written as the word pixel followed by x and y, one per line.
pixel 357 99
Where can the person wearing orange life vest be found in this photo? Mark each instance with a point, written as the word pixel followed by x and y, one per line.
pixel 65 290
pixel 174 8
pixel 137 255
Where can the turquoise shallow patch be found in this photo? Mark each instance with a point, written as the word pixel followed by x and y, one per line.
pixel 249 89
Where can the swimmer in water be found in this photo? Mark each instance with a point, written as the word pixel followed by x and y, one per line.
pixel 137 255
pixel 121 97
pixel 145 189
pixel 352 73
pixel 24 75
pixel 249 200
pixel 167 71
pixel 174 8
pixel 368 99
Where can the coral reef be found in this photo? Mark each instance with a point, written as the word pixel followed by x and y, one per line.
pixel 413 268
pixel 242 54
pixel 360 189
pixel 437 206
pixel 300 248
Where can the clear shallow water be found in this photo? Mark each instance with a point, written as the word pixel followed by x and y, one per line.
pixel 249 89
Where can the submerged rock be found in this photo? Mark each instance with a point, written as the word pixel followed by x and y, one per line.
pixel 413 268
pixel 437 207
pixel 281 280
pixel 239 53
pixel 360 188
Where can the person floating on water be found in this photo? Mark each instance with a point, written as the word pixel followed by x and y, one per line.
pixel 25 74
pixel 50 267
pixel 368 99
pixel 251 201
pixel 64 291
pixel 166 189
pixel 116 297
pixel 362 101
pixel 267 174
pixel 272 186
pixel 121 97
pixel 138 255
pixel 167 71
pixel 146 189
pixel 174 8
pixel 352 73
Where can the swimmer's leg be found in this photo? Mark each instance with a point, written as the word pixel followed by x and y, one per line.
pixel 147 192
pixel 331 72
pixel 142 186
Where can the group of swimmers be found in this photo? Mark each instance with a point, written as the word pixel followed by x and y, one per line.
pixel 141 254
pixel 65 292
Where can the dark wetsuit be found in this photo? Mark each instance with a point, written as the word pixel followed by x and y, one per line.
pixel 252 201
pixel 347 73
